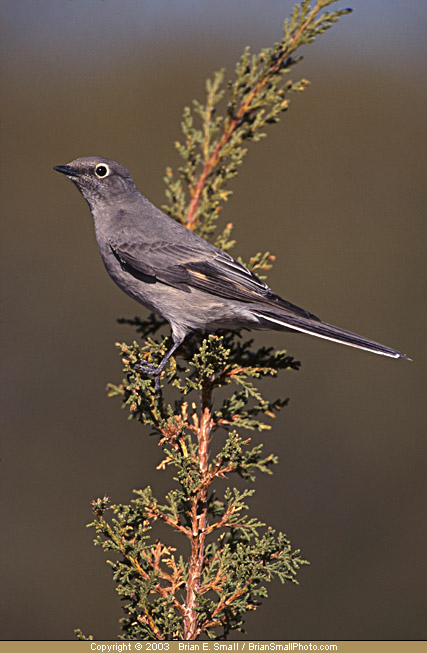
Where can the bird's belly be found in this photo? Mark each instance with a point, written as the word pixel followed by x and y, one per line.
pixel 185 311
pixel 195 310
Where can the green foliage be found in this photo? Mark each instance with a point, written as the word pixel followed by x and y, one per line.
pixel 151 579
pixel 222 359
pixel 229 556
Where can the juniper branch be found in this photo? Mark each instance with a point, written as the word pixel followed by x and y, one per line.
pixel 209 588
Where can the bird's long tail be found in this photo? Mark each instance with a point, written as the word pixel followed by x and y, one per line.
pixel 321 329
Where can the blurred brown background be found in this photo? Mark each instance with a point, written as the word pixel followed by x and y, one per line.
pixel 337 191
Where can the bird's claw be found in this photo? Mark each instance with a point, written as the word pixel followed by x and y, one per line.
pixel 150 369
pixel 145 368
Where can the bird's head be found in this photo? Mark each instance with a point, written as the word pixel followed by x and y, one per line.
pixel 99 179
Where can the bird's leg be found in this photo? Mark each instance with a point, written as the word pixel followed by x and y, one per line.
pixel 152 370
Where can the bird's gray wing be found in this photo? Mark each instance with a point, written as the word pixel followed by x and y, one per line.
pixel 198 265
pixel 191 265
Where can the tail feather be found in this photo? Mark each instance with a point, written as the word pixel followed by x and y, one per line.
pixel 329 332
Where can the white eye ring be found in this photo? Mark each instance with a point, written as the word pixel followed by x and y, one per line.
pixel 102 170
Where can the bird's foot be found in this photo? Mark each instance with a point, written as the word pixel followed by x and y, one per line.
pixel 145 368
pixel 149 369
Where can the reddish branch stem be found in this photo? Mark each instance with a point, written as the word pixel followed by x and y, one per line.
pixel 199 510
pixel 199 502
pixel 217 155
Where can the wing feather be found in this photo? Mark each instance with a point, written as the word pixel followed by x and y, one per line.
pixel 198 265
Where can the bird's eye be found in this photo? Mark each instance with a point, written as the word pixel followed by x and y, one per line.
pixel 102 170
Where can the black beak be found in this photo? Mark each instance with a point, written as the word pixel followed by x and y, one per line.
pixel 66 170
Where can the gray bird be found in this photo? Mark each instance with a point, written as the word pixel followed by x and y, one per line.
pixel 182 277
